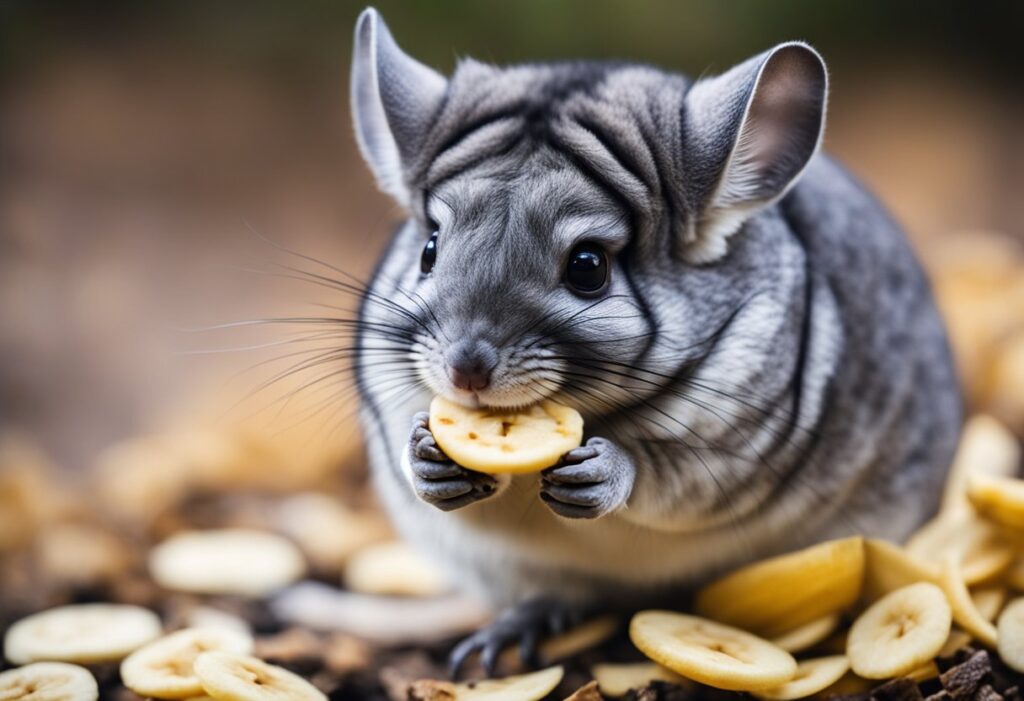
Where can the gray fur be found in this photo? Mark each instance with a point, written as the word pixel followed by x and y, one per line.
pixel 766 369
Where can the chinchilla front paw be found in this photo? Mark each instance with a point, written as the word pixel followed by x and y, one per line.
pixel 590 481
pixel 437 480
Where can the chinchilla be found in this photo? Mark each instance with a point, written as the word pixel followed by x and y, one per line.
pixel 751 342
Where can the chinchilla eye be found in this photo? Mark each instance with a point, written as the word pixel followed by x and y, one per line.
pixel 587 269
pixel 429 254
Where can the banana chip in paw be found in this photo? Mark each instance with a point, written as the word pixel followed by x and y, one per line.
pixel 83 633
pixel 900 632
pixel 709 652
pixel 504 441
pixel 48 681
pixel 163 668
pixel 230 676
pixel 778 594
pixel 229 561
pixel 616 679
pixel 1011 635
pixel 811 677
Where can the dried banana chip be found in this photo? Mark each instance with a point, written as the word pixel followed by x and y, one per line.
pixel 965 613
pixel 500 440
pixel 230 676
pixel 48 681
pixel 393 569
pixel 327 531
pixel 808 635
pixel 989 600
pixel 778 594
pixel 811 677
pixel 900 632
pixel 1011 635
pixel 983 551
pixel 523 687
pixel 84 633
pixel 888 567
pixel 617 679
pixel 987 447
pixel 229 561
pixel 709 652
pixel 1000 499
pixel 163 668
pixel 562 646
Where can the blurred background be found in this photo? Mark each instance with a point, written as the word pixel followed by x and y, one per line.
pixel 152 155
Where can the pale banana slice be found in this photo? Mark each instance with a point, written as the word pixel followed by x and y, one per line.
pixel 775 595
pixel 1000 499
pixel 163 668
pixel 888 567
pixel 983 551
pixel 989 600
pixel 1011 635
pixel 522 687
pixel 230 561
pixel 562 646
pixel 808 635
pixel 899 632
pixel 811 677
pixel 617 679
pixel 394 569
pixel 84 633
pixel 48 681
pixel 965 613
pixel 230 676
pixel 711 653
pixel 504 441
pixel 987 447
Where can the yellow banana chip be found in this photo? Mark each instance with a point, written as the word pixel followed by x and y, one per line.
pixel 709 652
pixel 393 569
pixel 778 594
pixel 1011 635
pixel 965 613
pixel 83 633
pixel 808 635
pixel 48 681
pixel 163 668
pixel 811 677
pixel 617 679
pixel 504 441
pixel 888 567
pixel 987 447
pixel 998 498
pixel 522 687
pixel 900 632
pixel 229 676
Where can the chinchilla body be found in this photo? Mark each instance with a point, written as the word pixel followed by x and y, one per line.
pixel 764 356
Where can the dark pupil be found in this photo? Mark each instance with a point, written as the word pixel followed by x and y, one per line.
pixel 588 268
pixel 429 255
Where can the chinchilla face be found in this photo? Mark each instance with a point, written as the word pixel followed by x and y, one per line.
pixel 570 222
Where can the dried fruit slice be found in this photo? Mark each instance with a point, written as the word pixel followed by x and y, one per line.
pixel 393 569
pixel 811 677
pixel 888 567
pixel 163 668
pixel 965 613
pixel 1000 499
pixel 48 681
pixel 229 561
pixel 230 676
pixel 84 633
pixel 987 447
pixel 522 687
pixel 899 632
pixel 989 601
pixel 497 441
pixel 709 652
pixel 775 595
pixel 617 679
pixel 1011 635
pixel 808 635
pixel 983 551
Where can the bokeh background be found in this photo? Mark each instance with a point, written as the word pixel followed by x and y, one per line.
pixel 155 157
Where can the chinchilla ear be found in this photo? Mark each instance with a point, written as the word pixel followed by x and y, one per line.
pixel 750 133
pixel 394 98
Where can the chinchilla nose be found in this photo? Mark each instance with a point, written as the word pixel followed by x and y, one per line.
pixel 470 363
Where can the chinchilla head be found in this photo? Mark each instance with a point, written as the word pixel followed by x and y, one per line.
pixel 572 225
